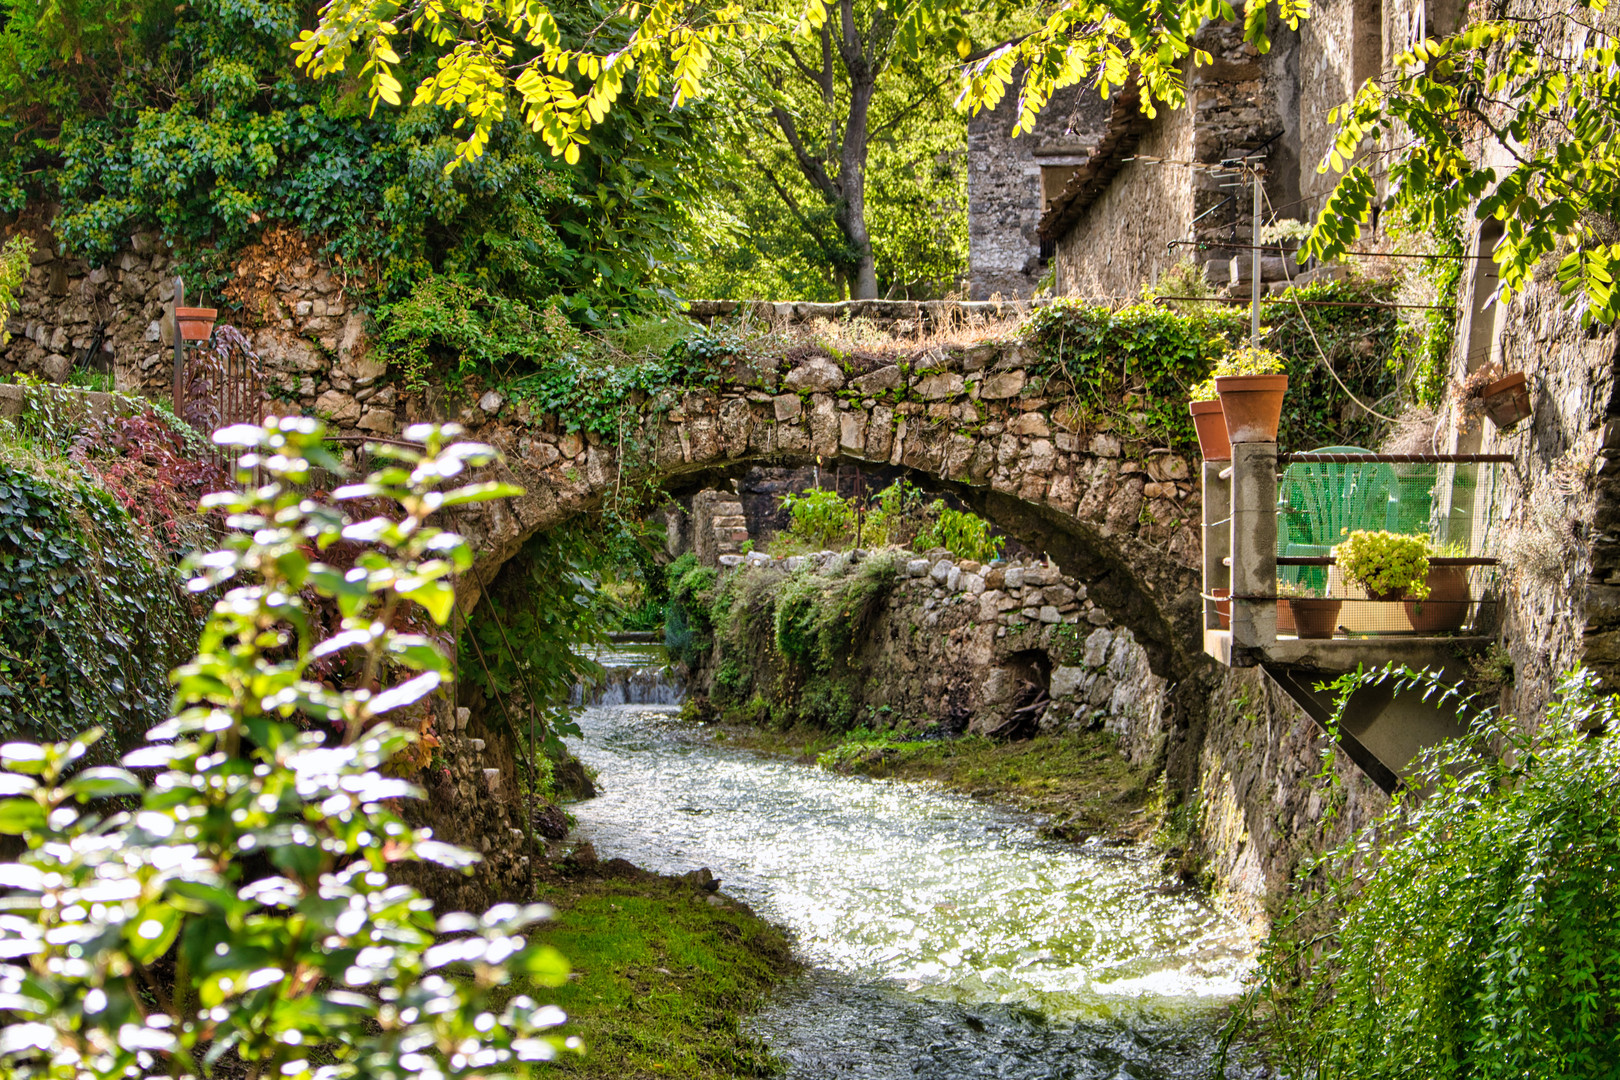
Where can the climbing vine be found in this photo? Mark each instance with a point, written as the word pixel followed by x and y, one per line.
pixel 1131 371
pixel 91 612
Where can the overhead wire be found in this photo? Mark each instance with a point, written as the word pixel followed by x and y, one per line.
pixel 1321 355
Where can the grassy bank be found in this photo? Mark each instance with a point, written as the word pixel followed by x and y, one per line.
pixel 662 978
pixel 1080 782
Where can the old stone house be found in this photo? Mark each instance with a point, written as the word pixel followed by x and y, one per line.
pixel 1110 221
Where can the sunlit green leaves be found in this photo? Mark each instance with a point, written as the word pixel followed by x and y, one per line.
pixel 1505 119
pixel 325 955
pixel 1471 930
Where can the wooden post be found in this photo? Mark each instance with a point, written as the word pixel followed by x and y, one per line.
pixel 1254 548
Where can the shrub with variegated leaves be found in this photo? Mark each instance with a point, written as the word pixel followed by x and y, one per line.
pixel 221 904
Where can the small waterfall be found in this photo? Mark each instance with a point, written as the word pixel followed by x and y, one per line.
pixel 633 686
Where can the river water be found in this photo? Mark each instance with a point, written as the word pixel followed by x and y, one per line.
pixel 945 938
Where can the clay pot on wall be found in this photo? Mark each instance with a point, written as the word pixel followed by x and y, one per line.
pixel 1210 423
pixel 1285 617
pixel 1252 405
pixel 1447 605
pixel 1223 606
pixel 1315 617
pixel 1507 400
pixel 196 323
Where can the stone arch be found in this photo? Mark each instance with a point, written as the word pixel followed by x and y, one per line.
pixel 973 423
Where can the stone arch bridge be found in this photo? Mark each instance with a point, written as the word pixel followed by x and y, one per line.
pixel 976 421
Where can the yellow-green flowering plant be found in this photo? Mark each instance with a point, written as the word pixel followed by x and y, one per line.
pixel 1386 564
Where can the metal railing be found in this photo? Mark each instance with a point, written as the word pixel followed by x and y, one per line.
pixel 1261 552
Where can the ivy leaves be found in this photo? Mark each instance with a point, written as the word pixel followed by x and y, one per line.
pixel 90 614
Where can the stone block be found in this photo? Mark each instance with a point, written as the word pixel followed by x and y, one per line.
pixel 1030 423
pixel 337 407
pixel 945 384
pixel 788 406
pixel 876 382
pixel 1066 681
pixel 852 432
pixel 1049 614
pixel 1097 645
pixel 816 374
pixel 378 421
pixel 953 580
pixel 941 571
pixel 917 568
pixel 1006 384
pixel 1105 446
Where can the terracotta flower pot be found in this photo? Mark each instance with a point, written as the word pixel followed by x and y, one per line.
pixel 1223 606
pixel 196 323
pixel 1507 400
pixel 1210 423
pixel 1285 617
pixel 1447 605
pixel 1315 617
pixel 1252 405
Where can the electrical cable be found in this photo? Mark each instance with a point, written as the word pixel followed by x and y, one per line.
pixel 1308 329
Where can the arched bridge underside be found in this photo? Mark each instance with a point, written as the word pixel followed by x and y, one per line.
pixel 976 422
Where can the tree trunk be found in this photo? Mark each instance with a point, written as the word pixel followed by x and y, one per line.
pixel 852 158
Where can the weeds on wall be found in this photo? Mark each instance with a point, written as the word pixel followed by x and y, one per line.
pixel 1130 371
pixel 1472 931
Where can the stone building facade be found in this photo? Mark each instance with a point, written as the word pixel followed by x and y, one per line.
pixel 1121 220
pixel 1010 181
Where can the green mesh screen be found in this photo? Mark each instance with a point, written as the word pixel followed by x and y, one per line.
pixel 1320 503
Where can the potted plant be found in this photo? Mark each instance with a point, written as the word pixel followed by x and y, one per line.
pixel 1251 385
pixel 1390 566
pixel 1446 606
pixel 1505 398
pixel 1309 616
pixel 1209 421
pixel 196 323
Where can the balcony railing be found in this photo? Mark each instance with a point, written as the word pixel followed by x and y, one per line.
pixel 1270 524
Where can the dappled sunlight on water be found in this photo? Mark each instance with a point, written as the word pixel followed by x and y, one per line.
pixel 943 929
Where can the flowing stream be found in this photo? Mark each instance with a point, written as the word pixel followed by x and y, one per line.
pixel 944 937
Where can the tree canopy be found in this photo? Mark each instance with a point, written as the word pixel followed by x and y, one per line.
pixel 194 121
pixel 495 55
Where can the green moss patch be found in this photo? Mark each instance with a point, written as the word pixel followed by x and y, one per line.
pixel 662 979
pixel 1079 781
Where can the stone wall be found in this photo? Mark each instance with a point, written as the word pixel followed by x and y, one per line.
pixel 1006 185
pixel 1114 225
pixel 959 645
pixel 718 526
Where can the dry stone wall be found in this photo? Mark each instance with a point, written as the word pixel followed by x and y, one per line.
pixel 299 314
pixel 961 645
